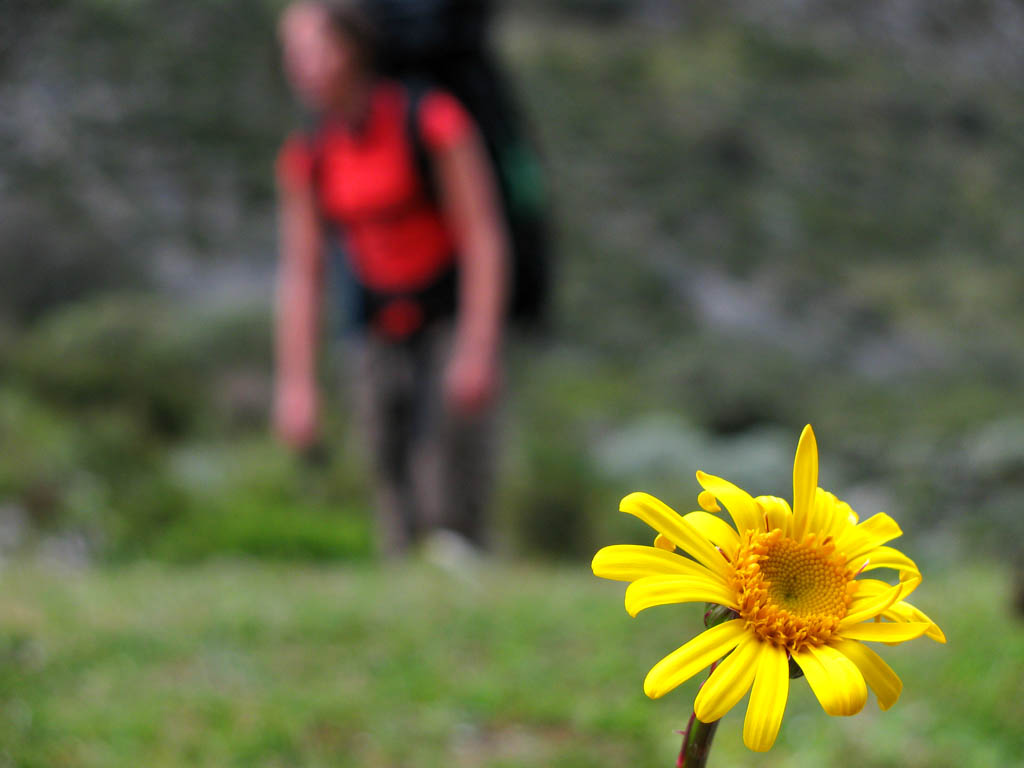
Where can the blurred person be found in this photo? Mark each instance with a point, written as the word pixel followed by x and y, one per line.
pixel 430 270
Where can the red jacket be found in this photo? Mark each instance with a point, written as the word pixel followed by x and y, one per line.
pixel 368 184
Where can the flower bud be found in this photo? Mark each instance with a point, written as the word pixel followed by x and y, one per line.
pixel 716 614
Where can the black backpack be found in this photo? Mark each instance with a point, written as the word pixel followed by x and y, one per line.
pixel 445 44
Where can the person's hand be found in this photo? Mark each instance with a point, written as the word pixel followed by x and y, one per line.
pixel 471 380
pixel 295 413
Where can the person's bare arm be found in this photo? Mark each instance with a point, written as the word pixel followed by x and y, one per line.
pixel 298 315
pixel 470 199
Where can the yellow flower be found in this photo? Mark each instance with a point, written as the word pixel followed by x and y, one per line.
pixel 790 576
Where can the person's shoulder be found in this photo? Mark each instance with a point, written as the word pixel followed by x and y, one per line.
pixel 437 99
pixel 443 119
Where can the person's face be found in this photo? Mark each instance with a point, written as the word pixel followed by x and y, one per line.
pixel 318 61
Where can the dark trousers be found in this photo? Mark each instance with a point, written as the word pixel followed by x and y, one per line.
pixel 432 468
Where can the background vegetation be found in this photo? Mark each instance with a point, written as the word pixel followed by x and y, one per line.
pixel 765 218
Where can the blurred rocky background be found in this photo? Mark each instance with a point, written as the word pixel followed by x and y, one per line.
pixel 769 214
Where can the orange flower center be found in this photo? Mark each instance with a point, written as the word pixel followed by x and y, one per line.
pixel 791 593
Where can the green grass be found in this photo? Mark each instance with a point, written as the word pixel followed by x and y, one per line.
pixel 246 664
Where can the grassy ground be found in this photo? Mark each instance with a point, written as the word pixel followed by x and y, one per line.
pixel 246 664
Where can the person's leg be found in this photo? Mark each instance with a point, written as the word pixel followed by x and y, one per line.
pixel 383 379
pixel 467 472
pixel 454 454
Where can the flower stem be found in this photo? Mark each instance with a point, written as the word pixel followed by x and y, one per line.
pixel 696 743
pixel 698 736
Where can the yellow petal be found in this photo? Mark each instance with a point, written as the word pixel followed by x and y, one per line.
pixel 628 562
pixel 729 682
pixel 822 513
pixel 661 541
pixel 716 530
pixel 883 681
pixel 884 557
pixel 683 663
pixel 835 680
pixel 885 632
pixel 740 504
pixel 843 519
pixel 846 511
pixel 866 536
pixel 906 612
pixel 667 590
pixel 777 513
pixel 870 588
pixel 873 605
pixel 767 699
pixel 707 502
pixel 666 520
pixel 805 481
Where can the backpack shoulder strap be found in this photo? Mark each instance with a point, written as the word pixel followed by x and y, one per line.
pixel 416 91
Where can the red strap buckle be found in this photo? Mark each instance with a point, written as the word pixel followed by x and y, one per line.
pixel 399 318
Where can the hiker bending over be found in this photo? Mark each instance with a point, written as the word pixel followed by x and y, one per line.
pixel 402 180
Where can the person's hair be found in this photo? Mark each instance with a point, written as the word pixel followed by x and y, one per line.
pixel 348 20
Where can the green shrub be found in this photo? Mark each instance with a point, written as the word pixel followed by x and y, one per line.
pixel 252 526
pixel 113 353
